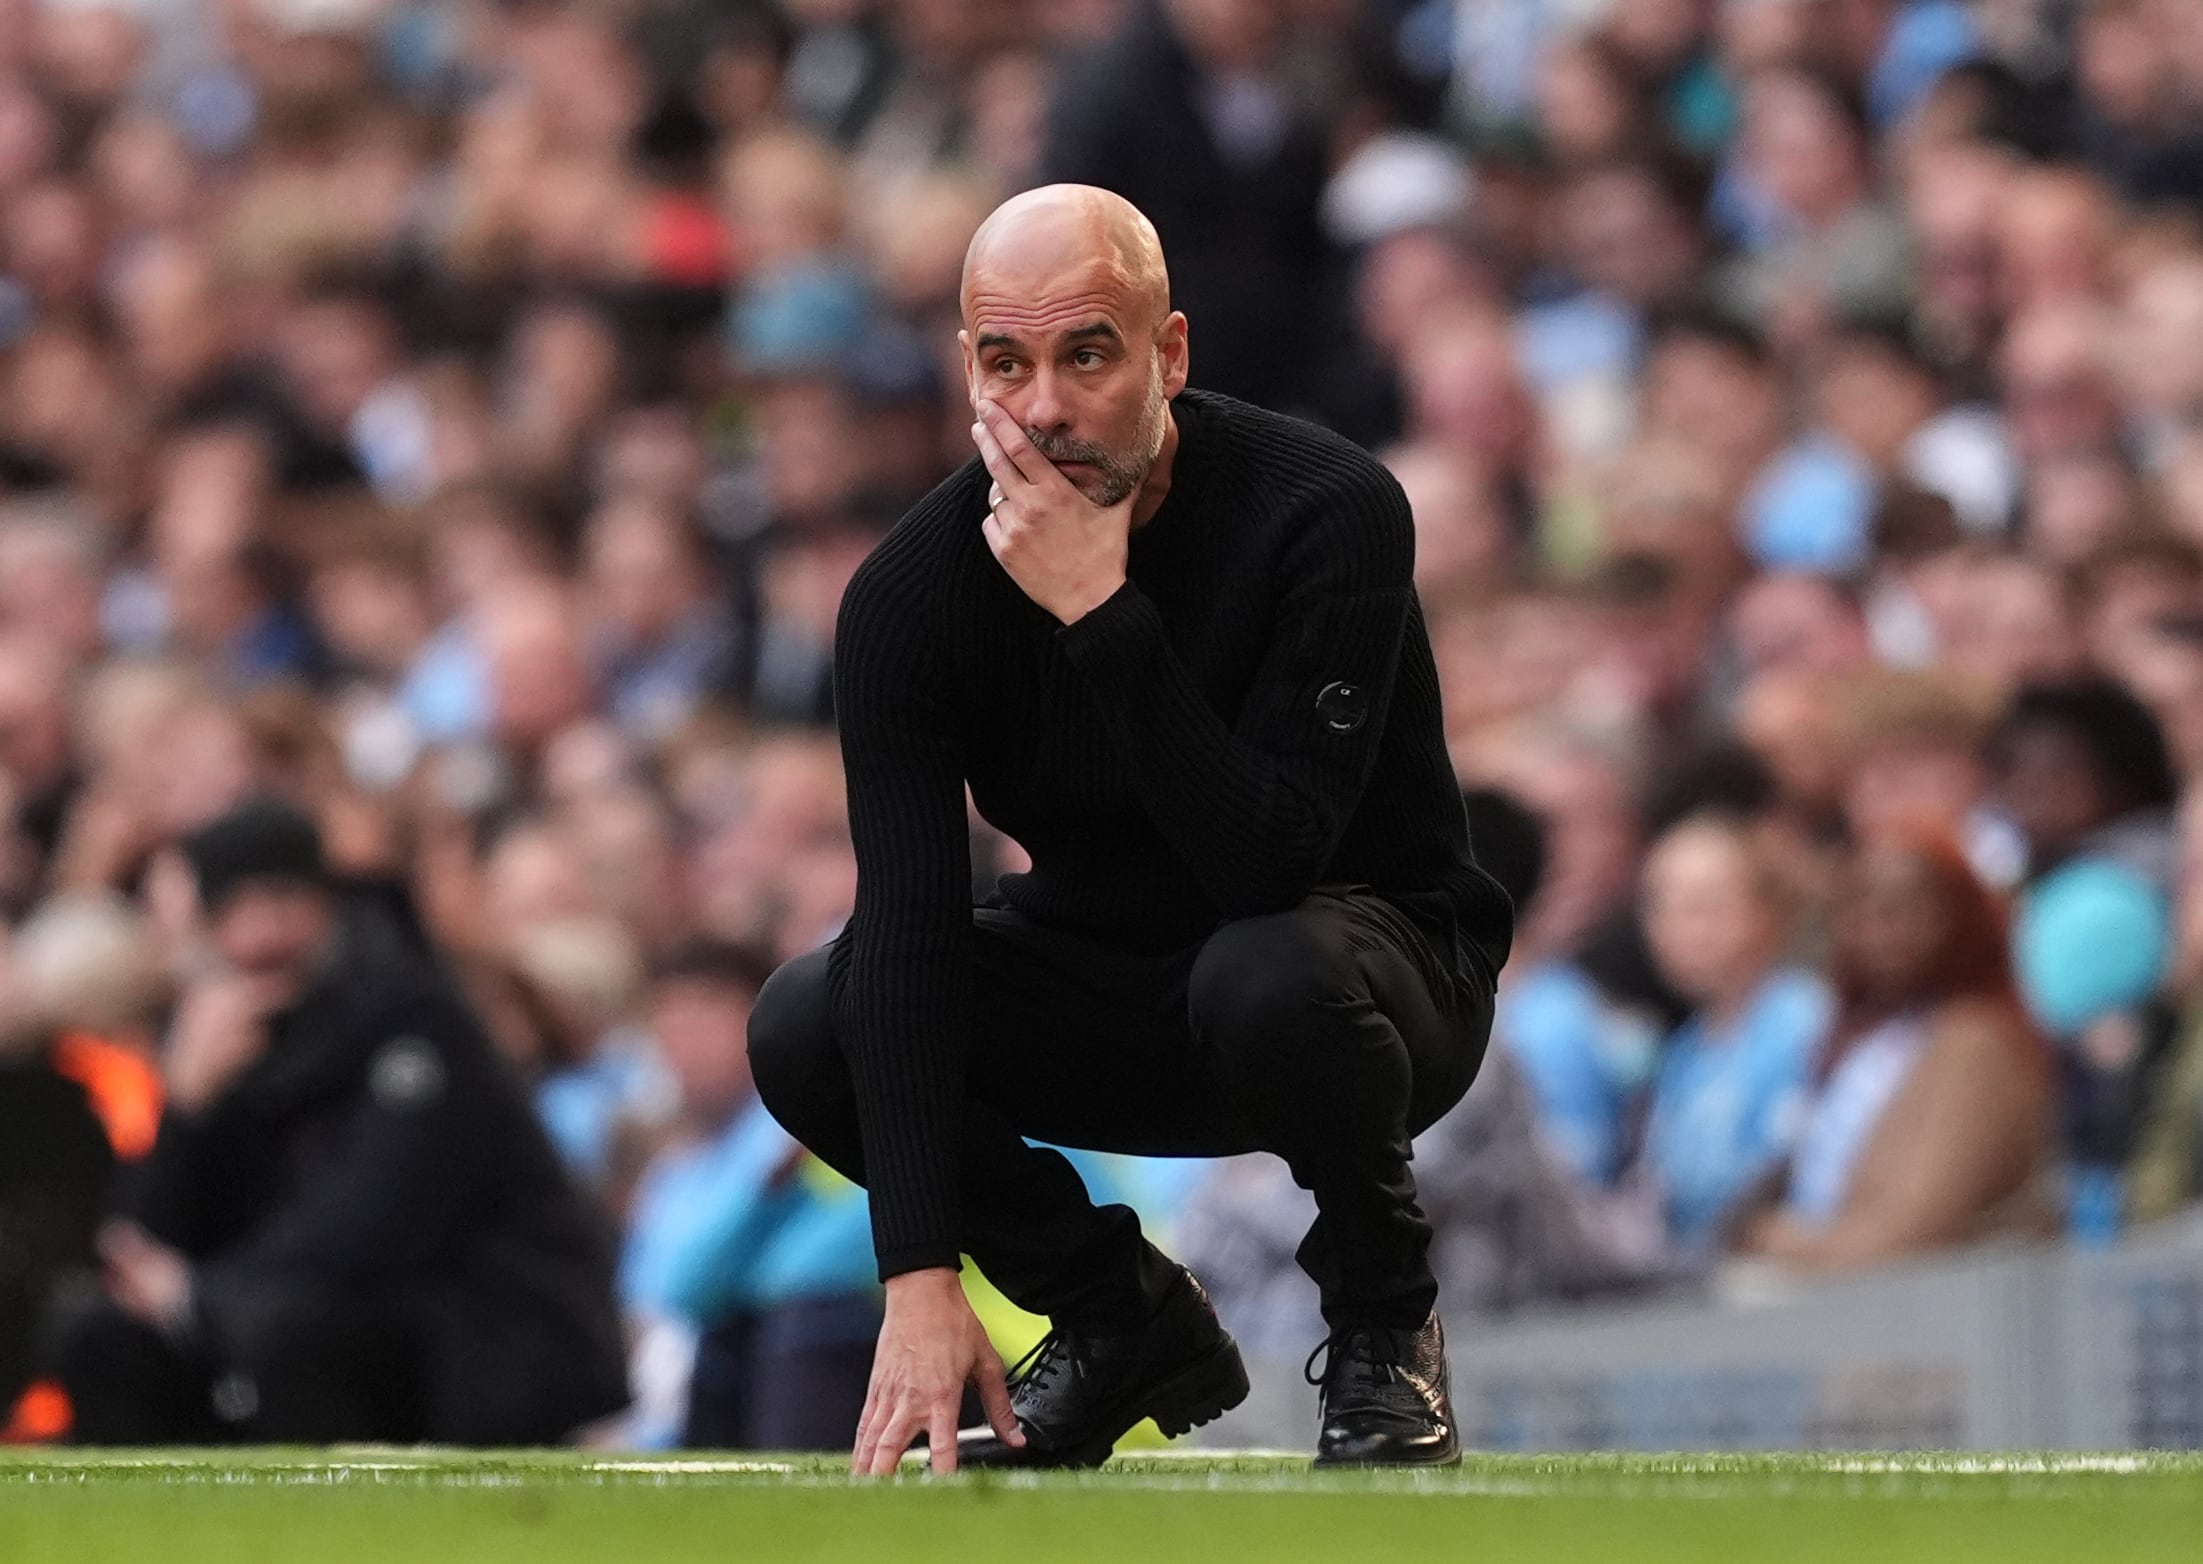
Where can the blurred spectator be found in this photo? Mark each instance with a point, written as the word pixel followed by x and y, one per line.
pixel 1463 542
pixel 1190 112
pixel 79 1096
pixel 1913 756
pixel 1929 1121
pixel 1799 623
pixel 2166 1172
pixel 1731 1082
pixel 2084 771
pixel 351 1227
pixel 662 638
pixel 1822 246
pixel 2130 119
pixel 1581 1011
pixel 740 1237
pixel 605 1085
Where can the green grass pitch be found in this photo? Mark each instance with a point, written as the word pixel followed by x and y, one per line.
pixel 415 1507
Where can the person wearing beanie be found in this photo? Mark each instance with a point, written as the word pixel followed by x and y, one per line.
pixel 351 1225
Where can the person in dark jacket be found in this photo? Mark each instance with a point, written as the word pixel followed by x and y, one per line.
pixel 54 1167
pixel 351 1226
pixel 1188 113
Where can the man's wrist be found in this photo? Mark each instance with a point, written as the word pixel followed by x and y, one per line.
pixel 1091 602
pixel 936 1277
pixel 926 1255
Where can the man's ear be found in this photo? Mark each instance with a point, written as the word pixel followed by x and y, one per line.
pixel 1170 342
pixel 971 371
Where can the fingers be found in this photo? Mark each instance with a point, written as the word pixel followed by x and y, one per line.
pixel 887 1450
pixel 941 1435
pixel 860 1458
pixel 992 451
pixel 1009 439
pixel 994 1395
pixel 887 1426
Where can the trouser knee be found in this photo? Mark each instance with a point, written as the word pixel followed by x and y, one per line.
pixel 795 1060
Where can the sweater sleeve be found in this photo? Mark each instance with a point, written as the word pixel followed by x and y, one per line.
pixel 1256 807
pixel 899 976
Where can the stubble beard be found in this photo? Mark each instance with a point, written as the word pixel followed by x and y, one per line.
pixel 1116 473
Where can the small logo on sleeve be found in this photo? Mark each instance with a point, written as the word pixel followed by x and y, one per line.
pixel 1343 706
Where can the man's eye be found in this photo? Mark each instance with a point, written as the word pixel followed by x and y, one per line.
pixel 1087 358
pixel 1005 367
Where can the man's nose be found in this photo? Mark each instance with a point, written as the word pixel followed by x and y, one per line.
pixel 1045 408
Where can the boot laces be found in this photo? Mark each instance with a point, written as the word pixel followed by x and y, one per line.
pixel 1049 1356
pixel 1378 1363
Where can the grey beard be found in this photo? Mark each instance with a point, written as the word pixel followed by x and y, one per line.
pixel 1120 473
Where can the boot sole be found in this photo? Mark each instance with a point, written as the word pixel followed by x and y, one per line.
pixel 1189 1399
pixel 1196 1395
pixel 1451 1458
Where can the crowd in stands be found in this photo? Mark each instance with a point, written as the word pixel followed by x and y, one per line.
pixel 460 418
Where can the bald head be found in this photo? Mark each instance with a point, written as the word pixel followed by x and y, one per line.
pixel 1042 235
pixel 1068 329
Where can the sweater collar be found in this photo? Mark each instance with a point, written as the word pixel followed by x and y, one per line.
pixel 1189 468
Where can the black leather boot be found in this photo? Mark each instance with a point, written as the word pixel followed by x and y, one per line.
pixel 1386 1400
pixel 1078 1392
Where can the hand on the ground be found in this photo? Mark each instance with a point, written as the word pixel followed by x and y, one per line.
pixel 1065 552
pixel 931 1347
pixel 148 1280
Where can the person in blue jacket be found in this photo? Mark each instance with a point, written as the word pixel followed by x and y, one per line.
pixel 743 1237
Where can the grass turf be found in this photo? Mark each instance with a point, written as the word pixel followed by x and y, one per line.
pixel 411 1507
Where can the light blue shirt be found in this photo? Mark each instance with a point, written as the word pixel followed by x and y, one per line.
pixel 583 1105
pixel 446 692
pixel 1584 1057
pixel 1587 335
pixel 743 1221
pixel 1926 39
pixel 1811 508
pixel 1727 1106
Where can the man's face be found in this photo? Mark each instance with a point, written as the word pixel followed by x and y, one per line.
pixel 274 933
pixel 1065 349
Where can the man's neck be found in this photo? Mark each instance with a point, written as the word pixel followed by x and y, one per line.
pixel 1156 486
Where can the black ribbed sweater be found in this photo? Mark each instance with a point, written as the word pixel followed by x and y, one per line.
pixel 1253 714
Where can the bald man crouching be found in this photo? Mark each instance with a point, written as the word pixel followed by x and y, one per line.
pixel 1170 643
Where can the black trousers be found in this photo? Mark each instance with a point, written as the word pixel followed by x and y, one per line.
pixel 1330 1035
